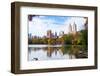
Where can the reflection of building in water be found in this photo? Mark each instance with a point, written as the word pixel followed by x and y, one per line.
pixel 73 28
pixel 55 51
pixel 51 50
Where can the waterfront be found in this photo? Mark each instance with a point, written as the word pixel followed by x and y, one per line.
pixel 56 52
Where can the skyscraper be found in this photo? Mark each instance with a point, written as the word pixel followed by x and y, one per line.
pixel 30 36
pixel 70 28
pixel 49 34
pixel 55 36
pixel 86 23
pixel 73 28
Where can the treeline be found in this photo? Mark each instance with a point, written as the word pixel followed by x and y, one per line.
pixel 80 38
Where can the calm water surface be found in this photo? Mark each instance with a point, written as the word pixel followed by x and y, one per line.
pixel 55 52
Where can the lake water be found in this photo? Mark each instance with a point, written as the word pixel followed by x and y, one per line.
pixel 55 52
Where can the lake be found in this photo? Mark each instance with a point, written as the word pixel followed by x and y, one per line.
pixel 56 52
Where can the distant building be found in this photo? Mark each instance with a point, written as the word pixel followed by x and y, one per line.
pixel 36 37
pixel 70 28
pixel 49 34
pixel 61 34
pixel 86 23
pixel 55 36
pixel 44 36
pixel 73 28
pixel 30 36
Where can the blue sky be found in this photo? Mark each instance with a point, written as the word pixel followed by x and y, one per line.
pixel 40 24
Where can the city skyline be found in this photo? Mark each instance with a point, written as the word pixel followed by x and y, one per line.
pixel 49 34
pixel 39 25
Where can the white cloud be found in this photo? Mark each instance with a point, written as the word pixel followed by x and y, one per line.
pixel 39 25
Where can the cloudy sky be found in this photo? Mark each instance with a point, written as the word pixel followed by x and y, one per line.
pixel 39 25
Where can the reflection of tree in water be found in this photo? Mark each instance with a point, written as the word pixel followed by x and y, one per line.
pixel 51 50
pixel 79 51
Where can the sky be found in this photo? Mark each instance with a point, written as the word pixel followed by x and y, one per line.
pixel 39 25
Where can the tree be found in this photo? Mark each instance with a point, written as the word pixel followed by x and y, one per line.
pixel 67 39
pixel 84 37
pixel 51 41
pixel 45 40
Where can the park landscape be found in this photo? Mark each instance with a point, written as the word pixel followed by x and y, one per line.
pixel 57 37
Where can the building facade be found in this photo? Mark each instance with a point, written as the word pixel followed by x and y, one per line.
pixel 73 28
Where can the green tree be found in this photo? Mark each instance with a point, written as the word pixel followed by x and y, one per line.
pixel 67 39
pixel 51 41
pixel 84 37
pixel 45 40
